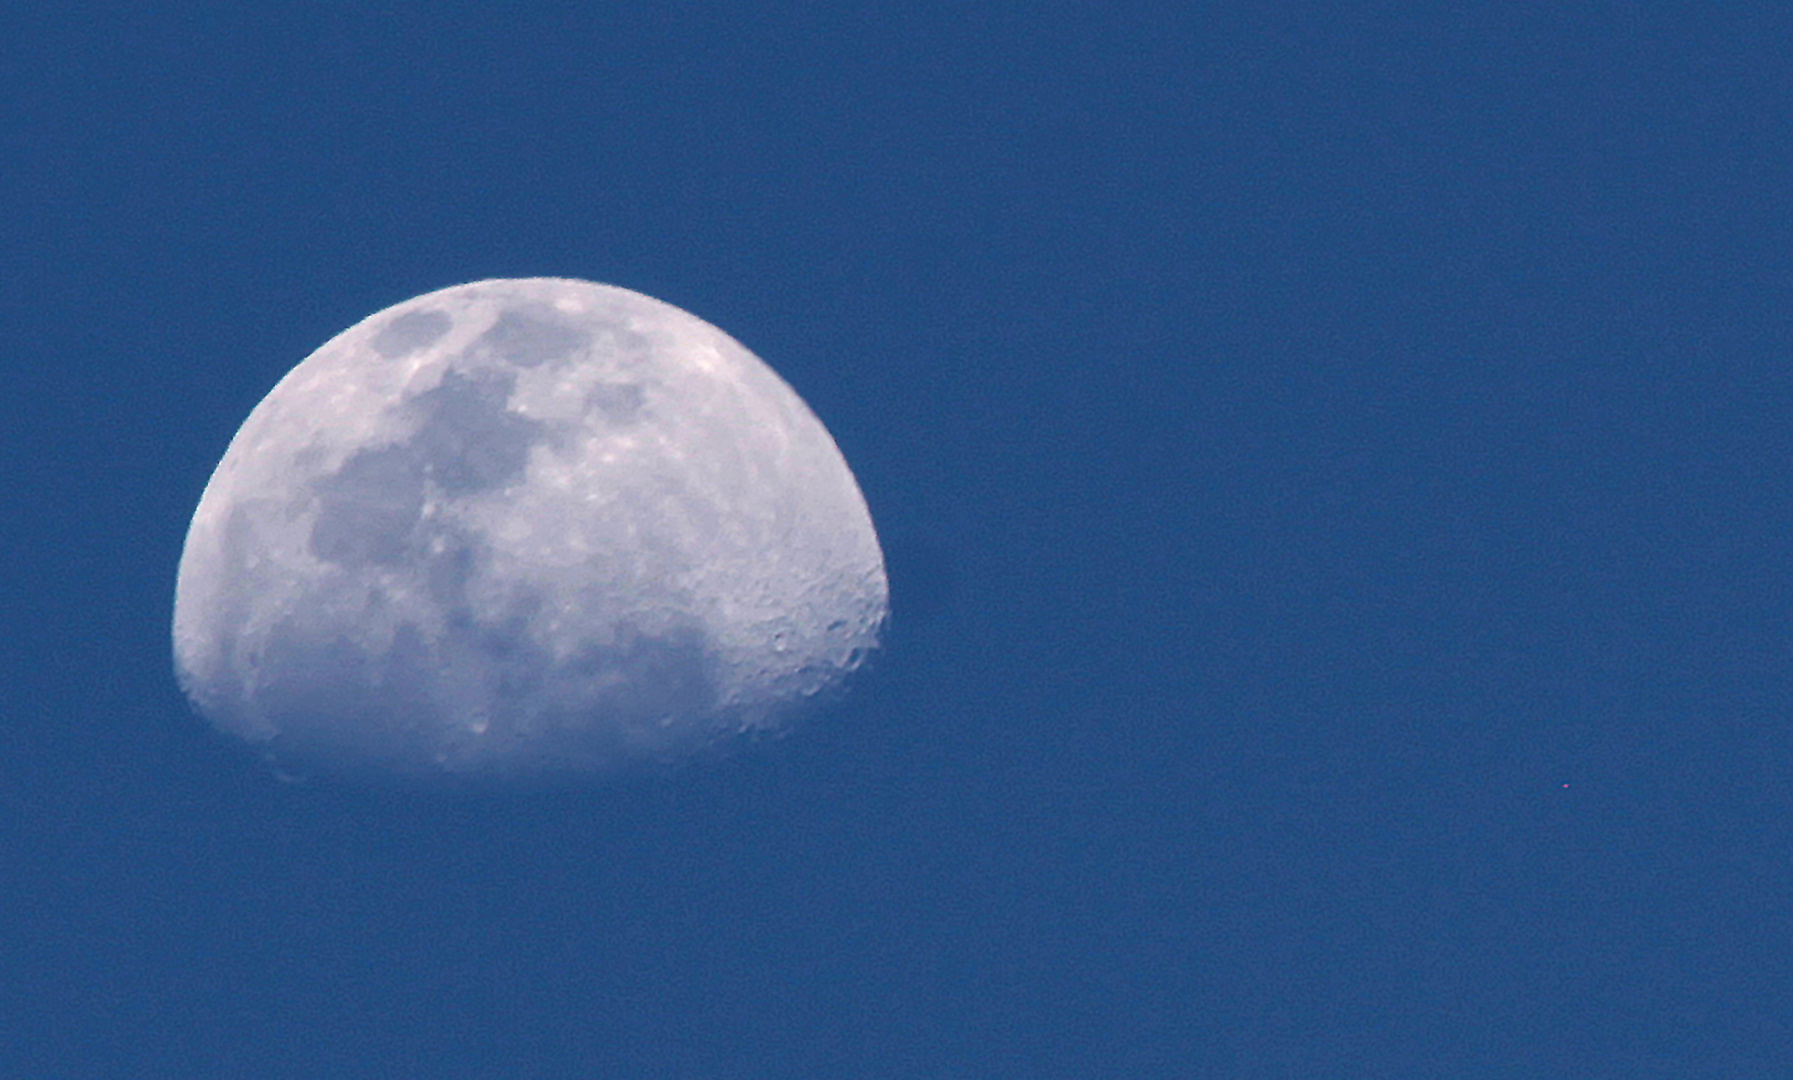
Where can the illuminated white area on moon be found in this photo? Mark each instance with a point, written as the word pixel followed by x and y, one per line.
pixel 523 527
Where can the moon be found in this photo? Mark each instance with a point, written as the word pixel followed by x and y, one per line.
pixel 523 528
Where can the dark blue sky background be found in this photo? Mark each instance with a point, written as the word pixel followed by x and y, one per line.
pixel 1333 463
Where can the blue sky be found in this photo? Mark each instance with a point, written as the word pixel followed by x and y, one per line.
pixel 1332 465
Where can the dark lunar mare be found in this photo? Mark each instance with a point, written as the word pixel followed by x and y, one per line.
pixel 332 702
pixel 411 331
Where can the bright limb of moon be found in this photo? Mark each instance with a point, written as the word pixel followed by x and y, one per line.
pixel 523 527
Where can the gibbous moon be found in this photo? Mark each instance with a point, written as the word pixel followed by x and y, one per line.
pixel 523 528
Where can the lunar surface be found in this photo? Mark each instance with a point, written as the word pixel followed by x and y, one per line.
pixel 520 528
